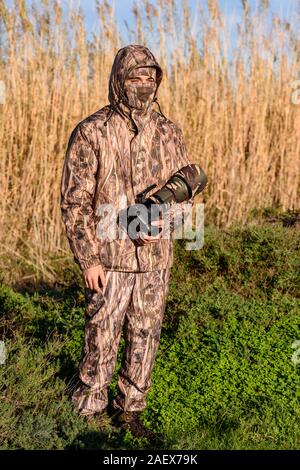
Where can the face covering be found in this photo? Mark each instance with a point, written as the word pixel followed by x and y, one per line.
pixel 140 95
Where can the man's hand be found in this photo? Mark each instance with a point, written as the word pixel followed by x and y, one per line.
pixel 91 277
pixel 144 239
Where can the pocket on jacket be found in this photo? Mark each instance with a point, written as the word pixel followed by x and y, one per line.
pixel 94 301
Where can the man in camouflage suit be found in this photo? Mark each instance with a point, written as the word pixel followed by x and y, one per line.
pixel 117 152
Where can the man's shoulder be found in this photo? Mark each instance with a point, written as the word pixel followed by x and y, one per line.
pixel 89 127
pixel 165 125
pixel 93 121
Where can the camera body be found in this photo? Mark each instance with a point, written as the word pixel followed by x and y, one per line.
pixel 182 186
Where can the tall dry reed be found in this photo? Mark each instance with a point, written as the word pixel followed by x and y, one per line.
pixel 232 95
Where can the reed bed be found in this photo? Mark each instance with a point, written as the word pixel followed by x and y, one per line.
pixel 234 94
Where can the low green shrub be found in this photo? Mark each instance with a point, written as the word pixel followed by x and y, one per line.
pixel 224 377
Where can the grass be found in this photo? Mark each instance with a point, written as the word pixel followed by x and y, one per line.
pixel 224 377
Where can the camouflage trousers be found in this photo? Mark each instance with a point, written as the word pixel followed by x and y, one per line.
pixel 135 302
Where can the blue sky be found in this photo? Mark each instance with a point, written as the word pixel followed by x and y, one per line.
pixel 231 8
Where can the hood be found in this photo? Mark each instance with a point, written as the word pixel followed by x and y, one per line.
pixel 127 59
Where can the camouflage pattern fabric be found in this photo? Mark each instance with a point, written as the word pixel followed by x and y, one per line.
pixel 137 302
pixel 184 184
pixel 113 155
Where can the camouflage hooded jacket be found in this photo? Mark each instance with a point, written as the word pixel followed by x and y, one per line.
pixel 113 154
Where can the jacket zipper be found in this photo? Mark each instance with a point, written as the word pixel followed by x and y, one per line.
pixel 131 179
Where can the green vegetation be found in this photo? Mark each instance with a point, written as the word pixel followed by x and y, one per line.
pixel 224 377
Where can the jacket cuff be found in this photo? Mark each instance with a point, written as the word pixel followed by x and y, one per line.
pixel 86 264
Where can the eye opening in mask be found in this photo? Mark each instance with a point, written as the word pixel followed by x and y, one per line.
pixel 136 67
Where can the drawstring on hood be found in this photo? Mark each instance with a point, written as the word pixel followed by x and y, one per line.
pixel 127 59
pixel 155 100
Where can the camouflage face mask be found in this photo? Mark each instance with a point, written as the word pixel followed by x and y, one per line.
pixel 140 95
